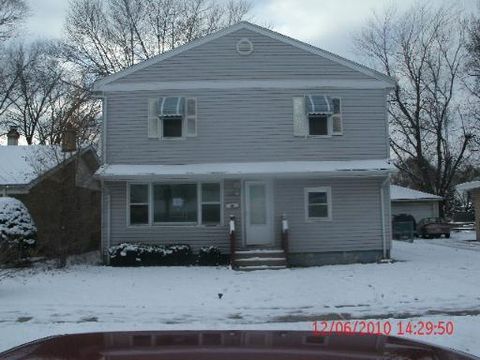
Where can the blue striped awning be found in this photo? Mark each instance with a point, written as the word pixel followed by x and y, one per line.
pixel 171 106
pixel 318 104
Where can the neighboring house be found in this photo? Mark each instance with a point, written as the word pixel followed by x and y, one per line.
pixel 39 176
pixel 473 187
pixel 254 124
pixel 413 202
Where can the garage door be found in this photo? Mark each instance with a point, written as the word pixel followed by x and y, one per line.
pixel 418 210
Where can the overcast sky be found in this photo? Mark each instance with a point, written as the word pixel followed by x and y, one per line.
pixel 328 24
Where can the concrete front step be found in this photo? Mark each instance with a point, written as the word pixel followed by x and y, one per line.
pixel 260 267
pixel 246 254
pixel 260 259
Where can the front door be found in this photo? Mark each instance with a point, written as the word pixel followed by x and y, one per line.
pixel 258 213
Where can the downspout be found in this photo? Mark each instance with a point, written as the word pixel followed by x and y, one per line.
pixel 382 210
pixel 104 129
pixel 106 222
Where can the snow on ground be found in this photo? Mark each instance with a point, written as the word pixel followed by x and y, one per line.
pixel 458 240
pixel 427 281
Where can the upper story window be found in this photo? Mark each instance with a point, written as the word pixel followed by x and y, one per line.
pixel 173 117
pixel 317 115
pixel 172 127
pixel 317 124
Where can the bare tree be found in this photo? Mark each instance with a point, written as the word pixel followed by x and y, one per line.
pixel 38 80
pixel 472 81
pixel 103 37
pixel 423 49
pixel 12 12
pixel 47 95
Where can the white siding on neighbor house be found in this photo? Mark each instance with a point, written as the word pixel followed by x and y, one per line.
pixel 355 224
pixel 218 59
pixel 245 125
pixel 418 209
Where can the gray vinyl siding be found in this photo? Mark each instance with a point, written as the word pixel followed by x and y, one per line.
pixel 195 236
pixel 245 125
pixel 356 216
pixel 218 59
pixel 355 225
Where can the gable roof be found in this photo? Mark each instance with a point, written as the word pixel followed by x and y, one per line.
pixel 258 29
pixel 24 165
pixel 400 193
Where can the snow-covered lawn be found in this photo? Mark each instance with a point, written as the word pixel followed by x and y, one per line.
pixel 427 281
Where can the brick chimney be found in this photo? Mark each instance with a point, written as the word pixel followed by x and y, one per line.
pixel 69 139
pixel 12 136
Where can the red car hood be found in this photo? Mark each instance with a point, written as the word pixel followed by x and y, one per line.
pixel 227 345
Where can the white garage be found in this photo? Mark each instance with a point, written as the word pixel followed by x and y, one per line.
pixel 416 203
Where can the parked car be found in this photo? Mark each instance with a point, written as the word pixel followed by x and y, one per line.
pixel 433 227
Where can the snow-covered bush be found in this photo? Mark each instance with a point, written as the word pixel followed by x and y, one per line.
pixel 146 255
pixel 17 230
pixel 211 256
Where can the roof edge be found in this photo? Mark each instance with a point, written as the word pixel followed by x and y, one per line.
pixel 468 186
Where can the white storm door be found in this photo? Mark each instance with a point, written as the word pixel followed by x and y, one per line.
pixel 258 213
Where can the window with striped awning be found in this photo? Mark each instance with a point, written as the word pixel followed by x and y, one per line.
pixel 319 104
pixel 316 114
pixel 171 106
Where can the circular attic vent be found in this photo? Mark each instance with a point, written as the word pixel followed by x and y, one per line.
pixel 244 46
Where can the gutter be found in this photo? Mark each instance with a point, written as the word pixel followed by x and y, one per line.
pixel 382 210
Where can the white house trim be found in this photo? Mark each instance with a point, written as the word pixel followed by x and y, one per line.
pixel 248 84
pixel 99 85
pixel 232 170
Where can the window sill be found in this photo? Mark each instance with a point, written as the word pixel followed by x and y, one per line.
pixel 172 138
pixel 319 136
pixel 317 220
pixel 185 225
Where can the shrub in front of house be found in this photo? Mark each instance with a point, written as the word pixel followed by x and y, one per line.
pixel 211 256
pixel 164 255
pixel 147 255
pixel 17 232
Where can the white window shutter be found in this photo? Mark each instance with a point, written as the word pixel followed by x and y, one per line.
pixel 191 116
pixel 153 130
pixel 337 128
pixel 300 126
pixel 337 125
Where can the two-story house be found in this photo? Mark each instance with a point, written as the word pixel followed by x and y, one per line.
pixel 250 123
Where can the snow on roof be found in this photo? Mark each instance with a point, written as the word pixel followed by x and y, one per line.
pixel 20 165
pixel 353 167
pixel 467 186
pixel 402 193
